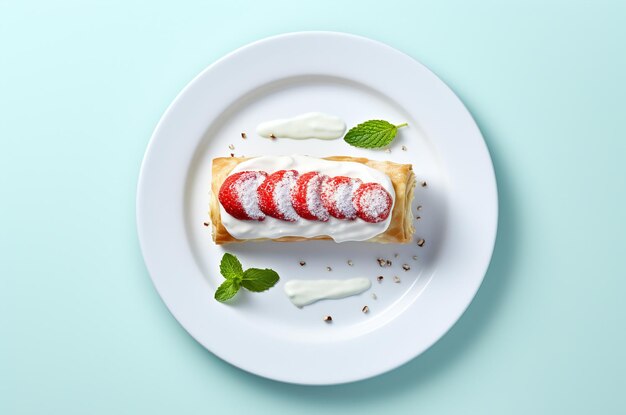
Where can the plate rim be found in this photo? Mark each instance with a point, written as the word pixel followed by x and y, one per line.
pixel 141 188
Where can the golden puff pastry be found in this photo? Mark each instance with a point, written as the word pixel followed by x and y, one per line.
pixel 400 228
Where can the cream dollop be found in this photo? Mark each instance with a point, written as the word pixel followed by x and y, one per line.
pixel 337 229
pixel 305 292
pixel 309 125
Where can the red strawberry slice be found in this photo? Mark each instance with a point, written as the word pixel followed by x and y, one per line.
pixel 372 202
pixel 238 195
pixel 306 197
pixel 275 195
pixel 337 196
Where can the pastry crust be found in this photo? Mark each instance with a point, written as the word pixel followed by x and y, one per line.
pixel 400 228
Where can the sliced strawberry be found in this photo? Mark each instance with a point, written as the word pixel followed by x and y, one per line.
pixel 238 195
pixel 372 202
pixel 275 195
pixel 337 195
pixel 306 197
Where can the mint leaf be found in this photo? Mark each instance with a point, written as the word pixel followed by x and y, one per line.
pixel 227 290
pixel 372 134
pixel 255 279
pixel 230 267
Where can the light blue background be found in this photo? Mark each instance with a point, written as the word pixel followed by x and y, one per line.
pixel 82 85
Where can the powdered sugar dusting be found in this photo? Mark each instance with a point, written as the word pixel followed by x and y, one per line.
pixel 338 196
pixel 343 198
pixel 313 197
pixel 374 203
pixel 282 196
pixel 246 192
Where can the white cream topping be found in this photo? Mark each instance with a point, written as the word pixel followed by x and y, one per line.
pixel 309 125
pixel 338 229
pixel 304 292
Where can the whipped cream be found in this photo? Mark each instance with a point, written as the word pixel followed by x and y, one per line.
pixel 337 229
pixel 309 125
pixel 305 292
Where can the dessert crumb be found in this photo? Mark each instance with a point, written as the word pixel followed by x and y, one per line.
pixel 406 267
pixel 418 217
pixel 419 207
pixel 329 269
pixel 244 135
pixel 396 279
pixel 205 223
pixel 421 242
pixel 328 319
pixel 365 309
pixel 414 257
pixel 302 263
pixel 232 147
pixel 379 278
pixel 403 148
pixel 396 255
pixel 232 154
pixel 424 184
pixel 272 136
pixel 350 263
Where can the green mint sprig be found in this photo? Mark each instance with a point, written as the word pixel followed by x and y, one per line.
pixel 372 134
pixel 252 279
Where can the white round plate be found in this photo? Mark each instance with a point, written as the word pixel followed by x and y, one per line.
pixel 357 79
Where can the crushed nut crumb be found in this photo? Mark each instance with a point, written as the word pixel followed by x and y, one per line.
pixel 232 147
pixel 329 269
pixel 388 263
pixel 328 319
pixel 415 257
pixel 419 207
pixel 379 278
pixel 423 183
pixel 350 263
pixel 406 267
pixel 232 154
pixel 365 309
pixel 381 262
pixel 244 135
pixel 418 217
pixel 396 279
pixel 302 263
pixel 421 242
pixel 403 148
pixel 272 136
